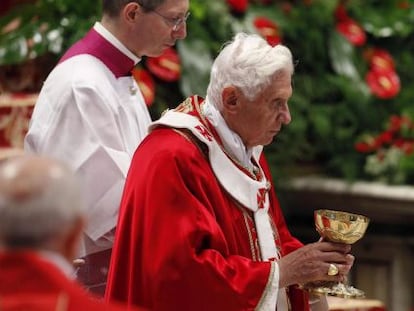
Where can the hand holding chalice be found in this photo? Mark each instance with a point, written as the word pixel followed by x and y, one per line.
pixel 339 227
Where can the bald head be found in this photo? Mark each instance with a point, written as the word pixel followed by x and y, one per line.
pixel 39 201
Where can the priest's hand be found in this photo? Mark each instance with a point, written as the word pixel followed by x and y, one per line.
pixel 311 263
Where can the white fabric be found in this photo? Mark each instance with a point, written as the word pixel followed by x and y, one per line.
pixel 231 141
pixel 244 190
pixel 94 122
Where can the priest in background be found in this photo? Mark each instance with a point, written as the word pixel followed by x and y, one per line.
pixel 91 113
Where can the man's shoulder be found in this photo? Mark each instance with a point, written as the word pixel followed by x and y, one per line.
pixel 165 146
pixel 80 69
pixel 82 73
pixel 174 140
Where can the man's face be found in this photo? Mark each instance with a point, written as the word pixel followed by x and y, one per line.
pixel 153 32
pixel 257 122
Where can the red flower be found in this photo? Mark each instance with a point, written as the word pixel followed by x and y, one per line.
pixel 380 60
pixel 405 4
pixel 238 6
pixel 268 30
pixel 286 7
pixel 145 83
pixel 408 147
pixel 166 67
pixel 396 123
pixel 340 13
pixel 367 144
pixel 383 84
pixel 399 143
pixel 364 147
pixel 352 31
pixel 384 138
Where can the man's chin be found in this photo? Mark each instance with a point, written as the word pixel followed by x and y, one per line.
pixel 159 52
pixel 155 53
pixel 269 141
pixel 273 138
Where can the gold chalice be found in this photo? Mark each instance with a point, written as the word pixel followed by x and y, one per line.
pixel 340 227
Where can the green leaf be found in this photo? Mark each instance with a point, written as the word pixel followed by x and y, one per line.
pixel 196 63
pixel 342 55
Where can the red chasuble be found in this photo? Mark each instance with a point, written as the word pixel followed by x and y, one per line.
pixel 183 242
pixel 30 283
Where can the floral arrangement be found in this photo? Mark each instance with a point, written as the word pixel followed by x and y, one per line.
pixel 390 154
pixel 352 104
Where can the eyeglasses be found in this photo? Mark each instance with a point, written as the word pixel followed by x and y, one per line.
pixel 174 22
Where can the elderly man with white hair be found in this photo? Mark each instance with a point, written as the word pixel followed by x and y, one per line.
pixel 200 226
pixel 41 221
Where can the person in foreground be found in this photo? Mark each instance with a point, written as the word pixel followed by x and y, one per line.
pixel 91 114
pixel 200 227
pixel 41 221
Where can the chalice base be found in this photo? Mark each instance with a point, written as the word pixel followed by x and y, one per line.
pixel 338 290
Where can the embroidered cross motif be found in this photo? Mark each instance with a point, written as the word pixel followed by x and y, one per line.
pixel 203 131
pixel 261 197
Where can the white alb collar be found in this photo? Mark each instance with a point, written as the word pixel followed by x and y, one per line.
pixel 232 142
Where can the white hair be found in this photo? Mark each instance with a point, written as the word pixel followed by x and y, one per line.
pixel 249 63
pixel 39 200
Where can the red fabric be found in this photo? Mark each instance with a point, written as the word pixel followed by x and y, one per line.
pixel 29 283
pixel 182 242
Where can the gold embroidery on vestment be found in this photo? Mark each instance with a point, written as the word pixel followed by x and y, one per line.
pixel 268 289
pixel 249 233
pixel 185 107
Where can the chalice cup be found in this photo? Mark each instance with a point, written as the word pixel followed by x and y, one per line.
pixel 340 227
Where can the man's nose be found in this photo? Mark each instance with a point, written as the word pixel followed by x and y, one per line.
pixel 181 31
pixel 286 116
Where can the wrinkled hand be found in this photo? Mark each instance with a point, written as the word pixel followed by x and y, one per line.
pixel 310 264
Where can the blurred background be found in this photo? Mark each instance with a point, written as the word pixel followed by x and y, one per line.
pixel 350 145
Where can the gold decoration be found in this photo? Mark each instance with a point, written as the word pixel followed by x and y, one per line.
pixel 15 113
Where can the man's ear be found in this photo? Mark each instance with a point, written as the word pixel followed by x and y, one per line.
pixel 229 97
pixel 130 11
